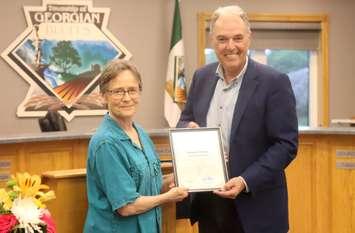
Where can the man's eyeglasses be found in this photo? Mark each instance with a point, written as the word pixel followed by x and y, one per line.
pixel 120 93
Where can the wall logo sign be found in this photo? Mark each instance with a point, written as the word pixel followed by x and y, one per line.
pixel 61 55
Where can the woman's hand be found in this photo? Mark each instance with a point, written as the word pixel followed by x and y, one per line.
pixel 176 194
pixel 145 203
pixel 168 182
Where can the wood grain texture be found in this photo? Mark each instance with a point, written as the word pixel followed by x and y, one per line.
pixel 321 195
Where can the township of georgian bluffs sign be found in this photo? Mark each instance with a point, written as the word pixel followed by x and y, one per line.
pixel 61 54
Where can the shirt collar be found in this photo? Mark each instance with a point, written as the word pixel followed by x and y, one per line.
pixel 219 72
pixel 115 127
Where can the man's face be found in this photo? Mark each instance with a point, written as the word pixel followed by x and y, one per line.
pixel 231 41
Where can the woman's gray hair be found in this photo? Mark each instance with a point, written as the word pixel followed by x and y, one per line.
pixel 114 68
pixel 229 10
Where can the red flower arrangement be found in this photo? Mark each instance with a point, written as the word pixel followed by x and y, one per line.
pixel 22 208
pixel 7 222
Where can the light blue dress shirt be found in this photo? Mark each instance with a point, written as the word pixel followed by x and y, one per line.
pixel 220 113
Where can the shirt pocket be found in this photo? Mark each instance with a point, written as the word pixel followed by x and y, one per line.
pixel 141 172
pixel 155 168
pixel 156 175
pixel 136 175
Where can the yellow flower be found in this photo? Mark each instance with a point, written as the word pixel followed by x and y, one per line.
pixel 47 196
pixel 5 200
pixel 44 197
pixel 27 185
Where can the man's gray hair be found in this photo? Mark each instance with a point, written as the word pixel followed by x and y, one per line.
pixel 229 10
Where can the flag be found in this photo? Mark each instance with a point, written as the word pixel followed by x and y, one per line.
pixel 175 86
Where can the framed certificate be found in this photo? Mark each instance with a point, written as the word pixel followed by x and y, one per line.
pixel 198 158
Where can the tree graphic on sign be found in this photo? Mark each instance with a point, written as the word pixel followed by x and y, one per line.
pixel 65 56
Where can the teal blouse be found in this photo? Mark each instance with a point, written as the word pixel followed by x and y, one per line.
pixel 118 172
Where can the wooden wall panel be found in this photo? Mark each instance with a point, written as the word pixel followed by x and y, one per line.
pixel 343 202
pixel 49 156
pixel 321 195
pixel 8 164
pixel 80 153
pixel 302 177
pixel 70 206
pixel 162 147
pixel 183 226
pixel 38 157
pixel 343 186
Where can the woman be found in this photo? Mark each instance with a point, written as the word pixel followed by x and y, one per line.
pixel 124 179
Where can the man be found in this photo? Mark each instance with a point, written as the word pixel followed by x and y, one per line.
pixel 255 107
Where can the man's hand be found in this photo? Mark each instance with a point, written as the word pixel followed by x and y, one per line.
pixel 232 188
pixel 192 124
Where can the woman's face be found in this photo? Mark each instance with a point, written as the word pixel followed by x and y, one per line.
pixel 123 95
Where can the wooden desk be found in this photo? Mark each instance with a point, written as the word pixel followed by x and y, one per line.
pixel 321 180
pixel 70 207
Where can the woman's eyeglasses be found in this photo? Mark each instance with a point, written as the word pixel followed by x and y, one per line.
pixel 120 93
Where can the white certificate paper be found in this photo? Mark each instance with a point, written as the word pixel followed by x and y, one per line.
pixel 198 158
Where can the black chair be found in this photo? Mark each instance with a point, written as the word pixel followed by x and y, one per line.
pixel 52 121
